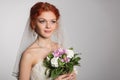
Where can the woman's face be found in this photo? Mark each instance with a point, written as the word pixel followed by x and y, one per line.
pixel 46 23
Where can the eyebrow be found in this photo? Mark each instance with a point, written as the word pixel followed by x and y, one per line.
pixel 45 19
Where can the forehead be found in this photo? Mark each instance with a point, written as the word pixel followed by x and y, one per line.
pixel 48 15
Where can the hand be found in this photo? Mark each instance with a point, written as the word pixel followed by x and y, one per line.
pixel 71 76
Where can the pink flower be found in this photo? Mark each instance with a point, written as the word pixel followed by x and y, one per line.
pixel 56 53
pixel 62 51
pixel 59 52
pixel 66 60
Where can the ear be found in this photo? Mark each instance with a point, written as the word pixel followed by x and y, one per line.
pixel 33 23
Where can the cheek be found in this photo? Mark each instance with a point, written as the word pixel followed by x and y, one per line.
pixel 54 27
pixel 39 28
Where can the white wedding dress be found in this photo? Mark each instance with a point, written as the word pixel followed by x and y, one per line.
pixel 38 72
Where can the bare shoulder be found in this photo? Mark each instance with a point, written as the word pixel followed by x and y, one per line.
pixel 30 50
pixel 34 53
pixel 28 54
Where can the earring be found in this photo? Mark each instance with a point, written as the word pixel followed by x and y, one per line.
pixel 34 33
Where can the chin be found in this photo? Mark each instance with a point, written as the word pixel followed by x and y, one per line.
pixel 47 36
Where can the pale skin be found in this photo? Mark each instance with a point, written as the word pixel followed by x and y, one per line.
pixel 45 25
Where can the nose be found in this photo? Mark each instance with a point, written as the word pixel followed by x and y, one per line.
pixel 48 25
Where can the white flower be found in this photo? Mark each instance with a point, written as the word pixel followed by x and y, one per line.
pixel 54 62
pixel 70 53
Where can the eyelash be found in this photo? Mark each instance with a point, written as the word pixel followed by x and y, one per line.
pixel 43 21
pixel 53 21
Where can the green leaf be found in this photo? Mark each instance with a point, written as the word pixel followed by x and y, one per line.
pixel 60 63
pixel 75 60
pixel 70 66
pixel 50 55
pixel 64 55
pixel 75 55
pixel 71 48
pixel 55 73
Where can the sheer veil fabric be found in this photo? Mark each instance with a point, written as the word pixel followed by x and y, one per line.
pixel 28 37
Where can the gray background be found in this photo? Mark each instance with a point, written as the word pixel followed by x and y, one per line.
pixel 90 26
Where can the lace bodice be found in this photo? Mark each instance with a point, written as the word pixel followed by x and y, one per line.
pixel 38 72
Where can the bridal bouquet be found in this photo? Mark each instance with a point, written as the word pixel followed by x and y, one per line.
pixel 60 61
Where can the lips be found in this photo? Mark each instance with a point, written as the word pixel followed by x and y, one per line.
pixel 47 31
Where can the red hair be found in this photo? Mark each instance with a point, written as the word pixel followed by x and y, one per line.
pixel 40 7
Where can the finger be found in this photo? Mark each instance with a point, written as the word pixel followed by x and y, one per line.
pixel 64 76
pixel 73 76
pixel 73 73
pixel 67 78
pixel 61 77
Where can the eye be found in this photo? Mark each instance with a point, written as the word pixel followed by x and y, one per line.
pixel 53 21
pixel 42 21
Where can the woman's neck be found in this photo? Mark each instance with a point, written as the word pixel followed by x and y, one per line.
pixel 44 42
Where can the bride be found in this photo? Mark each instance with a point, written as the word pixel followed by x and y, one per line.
pixel 44 20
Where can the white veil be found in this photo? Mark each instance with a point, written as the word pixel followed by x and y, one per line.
pixel 28 38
